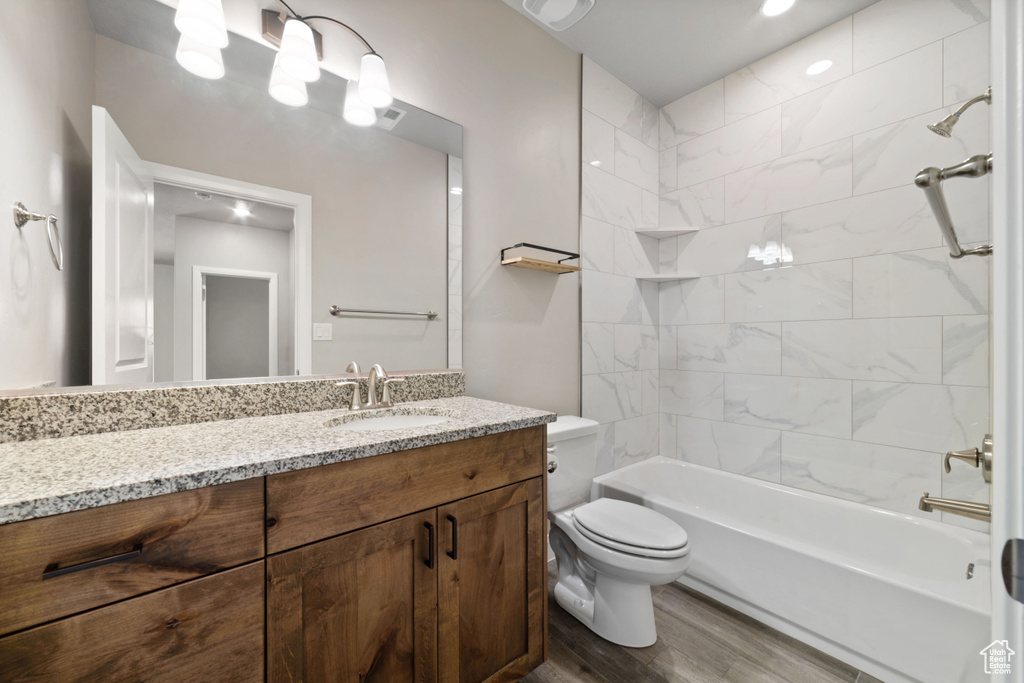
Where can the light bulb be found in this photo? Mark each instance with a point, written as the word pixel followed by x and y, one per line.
pixel 356 111
pixel 298 51
pixel 202 21
pixel 202 60
pixel 285 88
pixel 374 88
pixel 773 8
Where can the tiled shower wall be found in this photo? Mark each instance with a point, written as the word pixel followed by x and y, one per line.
pixel 849 366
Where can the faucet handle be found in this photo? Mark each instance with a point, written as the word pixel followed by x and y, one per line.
pixel 354 404
pixel 975 458
pixel 969 456
pixel 353 367
pixel 385 399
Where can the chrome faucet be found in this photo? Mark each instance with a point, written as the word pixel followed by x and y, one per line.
pixel 376 376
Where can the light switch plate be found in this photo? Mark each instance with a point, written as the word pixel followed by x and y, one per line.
pixel 323 332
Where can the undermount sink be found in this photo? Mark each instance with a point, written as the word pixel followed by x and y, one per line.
pixel 383 422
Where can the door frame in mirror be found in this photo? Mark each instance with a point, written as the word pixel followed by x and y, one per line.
pixel 301 239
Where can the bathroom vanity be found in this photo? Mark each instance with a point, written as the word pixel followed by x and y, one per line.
pixel 325 555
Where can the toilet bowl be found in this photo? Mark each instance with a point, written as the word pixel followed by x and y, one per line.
pixel 609 552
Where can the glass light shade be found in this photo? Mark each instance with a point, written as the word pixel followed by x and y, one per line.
pixel 202 60
pixel 356 111
pixel 202 21
pixel 285 88
pixel 298 51
pixel 374 88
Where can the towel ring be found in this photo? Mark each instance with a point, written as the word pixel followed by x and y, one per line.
pixel 23 216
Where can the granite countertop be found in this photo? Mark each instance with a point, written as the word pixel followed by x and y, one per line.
pixel 51 476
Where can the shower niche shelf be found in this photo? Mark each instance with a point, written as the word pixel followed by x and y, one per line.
pixel 664 233
pixel 669 277
pixel 556 267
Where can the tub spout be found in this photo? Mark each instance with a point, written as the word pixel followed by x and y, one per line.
pixel 957 507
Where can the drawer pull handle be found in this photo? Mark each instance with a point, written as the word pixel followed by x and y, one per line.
pixel 430 542
pixel 454 552
pixel 53 571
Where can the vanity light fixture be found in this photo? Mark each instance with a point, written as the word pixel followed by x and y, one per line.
pixel 202 60
pixel 773 8
pixel 819 67
pixel 357 111
pixel 203 35
pixel 285 88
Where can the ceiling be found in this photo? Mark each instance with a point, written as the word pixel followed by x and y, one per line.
pixel 182 201
pixel 665 49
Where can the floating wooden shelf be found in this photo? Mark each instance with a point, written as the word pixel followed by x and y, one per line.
pixel 537 264
pixel 669 277
pixel 663 233
pixel 558 267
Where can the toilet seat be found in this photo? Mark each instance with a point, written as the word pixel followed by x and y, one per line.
pixel 630 528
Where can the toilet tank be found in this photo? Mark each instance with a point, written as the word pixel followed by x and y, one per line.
pixel 572 442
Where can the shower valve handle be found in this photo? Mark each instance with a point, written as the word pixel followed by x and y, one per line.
pixel 974 458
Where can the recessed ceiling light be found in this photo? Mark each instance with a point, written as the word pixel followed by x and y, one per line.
pixel 819 67
pixel 242 210
pixel 595 162
pixel 773 8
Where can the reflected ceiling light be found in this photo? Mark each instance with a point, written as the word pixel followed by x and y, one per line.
pixel 202 60
pixel 285 88
pixel 772 253
pixel 595 162
pixel 773 8
pixel 202 21
pixel 241 210
pixel 456 190
pixel 357 111
pixel 819 67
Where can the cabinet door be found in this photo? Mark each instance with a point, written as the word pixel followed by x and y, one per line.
pixel 491 585
pixel 356 608
pixel 209 630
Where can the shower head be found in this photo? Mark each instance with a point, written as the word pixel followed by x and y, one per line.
pixel 945 126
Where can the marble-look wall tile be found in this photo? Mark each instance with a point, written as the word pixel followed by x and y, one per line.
pixel 695 114
pixel 698 206
pixel 597 245
pixel 743 144
pixel 610 199
pixel 651 125
pixel 964 75
pixel 783 75
pixel 635 440
pixel 636 347
pixel 667 435
pixel 692 301
pixel 928 417
pixel 650 392
pixel 813 406
pixel 899 219
pixel 726 248
pixel 454 313
pixel 818 175
pixel 649 209
pixel 598 353
pixel 965 349
pixel 891 155
pixel 635 162
pixel 650 314
pixel 454 277
pixel 667 170
pixel 752 348
pixel 819 291
pixel 693 394
pixel 893 27
pixel 612 396
pixel 455 351
pixel 667 347
pixel 612 100
pixel 605 449
pixel 597 142
pixel 888 349
pixel 668 255
pixel 634 254
pixel 745 450
pixel 903 87
pixel 916 283
pixel 881 476
pixel 611 299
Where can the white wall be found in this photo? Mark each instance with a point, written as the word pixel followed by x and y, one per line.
pixel 46 76
pixel 163 322
pixel 223 245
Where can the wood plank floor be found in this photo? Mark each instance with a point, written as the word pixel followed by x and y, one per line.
pixel 699 641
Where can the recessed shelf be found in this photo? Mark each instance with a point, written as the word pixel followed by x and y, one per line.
pixel 669 277
pixel 663 233
pixel 537 264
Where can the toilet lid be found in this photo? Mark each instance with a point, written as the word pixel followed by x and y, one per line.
pixel 630 527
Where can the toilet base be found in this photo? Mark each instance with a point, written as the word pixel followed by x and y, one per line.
pixel 622 613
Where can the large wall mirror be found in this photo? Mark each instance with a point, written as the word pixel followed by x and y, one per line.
pixel 226 226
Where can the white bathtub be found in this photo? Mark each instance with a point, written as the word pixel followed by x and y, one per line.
pixel 883 591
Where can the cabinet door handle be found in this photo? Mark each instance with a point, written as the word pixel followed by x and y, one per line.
pixel 430 542
pixel 52 571
pixel 454 552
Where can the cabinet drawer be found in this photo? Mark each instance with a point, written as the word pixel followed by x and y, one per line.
pixel 309 505
pixel 55 566
pixel 209 630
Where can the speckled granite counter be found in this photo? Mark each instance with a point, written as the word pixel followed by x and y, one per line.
pixel 51 476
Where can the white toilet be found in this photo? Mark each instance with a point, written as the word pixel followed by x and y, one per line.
pixel 609 552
